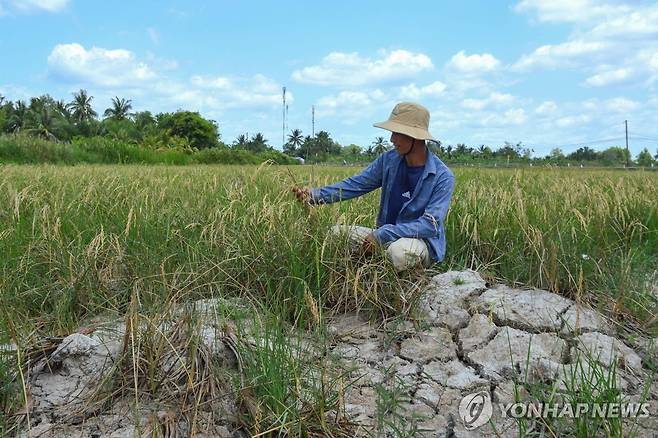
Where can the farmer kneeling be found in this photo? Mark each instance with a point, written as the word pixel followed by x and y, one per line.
pixel 416 191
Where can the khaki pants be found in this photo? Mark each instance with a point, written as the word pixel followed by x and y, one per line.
pixel 404 253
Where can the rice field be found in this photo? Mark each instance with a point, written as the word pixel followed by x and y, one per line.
pixel 86 241
pixel 75 241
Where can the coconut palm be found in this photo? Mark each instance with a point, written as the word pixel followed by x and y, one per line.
pixel 43 123
pixel 61 108
pixel 258 143
pixel 19 116
pixel 296 138
pixel 241 141
pixel 119 110
pixel 379 145
pixel 81 107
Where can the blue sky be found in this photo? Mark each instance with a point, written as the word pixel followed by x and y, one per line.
pixel 544 72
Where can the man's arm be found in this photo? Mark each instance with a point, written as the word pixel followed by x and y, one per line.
pixel 427 225
pixel 366 181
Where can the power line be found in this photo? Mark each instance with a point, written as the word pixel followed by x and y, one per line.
pixel 640 137
pixel 592 142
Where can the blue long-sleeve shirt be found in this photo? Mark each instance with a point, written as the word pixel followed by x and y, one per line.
pixel 421 217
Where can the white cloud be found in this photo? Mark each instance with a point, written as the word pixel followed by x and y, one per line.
pixel 621 105
pixel 575 120
pixel 98 66
pixel 636 24
pixel 474 104
pixel 412 91
pixel 476 63
pixel 350 69
pixel 494 99
pixel 648 59
pixel 513 116
pixel 609 77
pixel 38 5
pixel 569 10
pixel 561 55
pixel 119 71
pixel 219 82
pixel 547 107
pixel 611 41
pixel 350 107
pixel 345 98
pixel 220 92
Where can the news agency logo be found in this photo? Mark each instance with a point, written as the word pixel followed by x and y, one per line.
pixel 475 410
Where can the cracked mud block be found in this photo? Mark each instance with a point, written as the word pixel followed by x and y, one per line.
pixel 479 331
pixel 397 371
pixel 454 318
pixel 351 325
pixel 450 290
pixel 365 351
pixel 71 371
pixel 444 401
pixel 579 319
pixel 507 392
pixel 508 353
pixel 435 427
pixel 604 349
pixel 435 344
pixel 533 309
pixel 361 405
pixel 454 374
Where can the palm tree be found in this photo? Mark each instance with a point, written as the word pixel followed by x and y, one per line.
pixel 81 107
pixel 379 145
pixel 258 143
pixel 295 138
pixel 119 110
pixel 43 124
pixel 241 141
pixel 19 117
pixel 61 108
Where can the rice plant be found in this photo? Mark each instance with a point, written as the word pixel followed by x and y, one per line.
pixel 79 242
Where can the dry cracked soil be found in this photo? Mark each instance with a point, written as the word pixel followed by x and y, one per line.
pixel 473 338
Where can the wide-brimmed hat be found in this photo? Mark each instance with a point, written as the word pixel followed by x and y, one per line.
pixel 410 119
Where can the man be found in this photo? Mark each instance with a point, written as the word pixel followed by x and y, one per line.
pixel 416 191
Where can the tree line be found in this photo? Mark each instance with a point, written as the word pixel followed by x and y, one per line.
pixel 322 148
pixel 59 121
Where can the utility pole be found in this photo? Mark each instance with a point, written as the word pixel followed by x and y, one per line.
pixel 313 121
pixel 283 129
pixel 628 154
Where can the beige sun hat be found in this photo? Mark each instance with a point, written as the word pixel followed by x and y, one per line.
pixel 410 119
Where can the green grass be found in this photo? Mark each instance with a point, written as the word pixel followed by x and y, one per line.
pixel 25 149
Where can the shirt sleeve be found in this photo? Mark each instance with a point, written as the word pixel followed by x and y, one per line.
pixel 368 180
pixel 429 224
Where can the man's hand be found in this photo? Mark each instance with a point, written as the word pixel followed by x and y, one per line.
pixel 303 194
pixel 369 245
